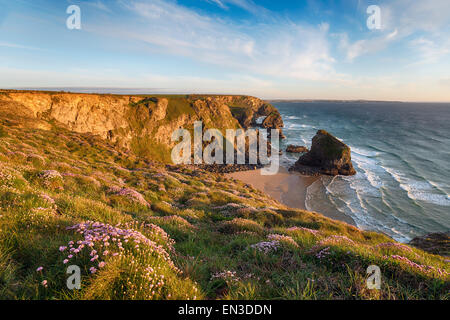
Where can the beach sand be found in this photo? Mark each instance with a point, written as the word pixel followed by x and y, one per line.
pixel 289 188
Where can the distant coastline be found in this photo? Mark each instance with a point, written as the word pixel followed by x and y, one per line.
pixel 349 101
pixel 334 101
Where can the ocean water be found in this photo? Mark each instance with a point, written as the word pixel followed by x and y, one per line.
pixel 401 152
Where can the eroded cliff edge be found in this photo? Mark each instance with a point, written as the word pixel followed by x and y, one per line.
pixel 142 124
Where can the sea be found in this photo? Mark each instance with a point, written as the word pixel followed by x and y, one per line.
pixel 401 152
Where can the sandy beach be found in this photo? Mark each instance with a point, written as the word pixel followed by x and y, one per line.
pixel 287 187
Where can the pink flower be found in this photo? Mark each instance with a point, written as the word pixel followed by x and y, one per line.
pixel 44 283
pixel 93 270
pixel 65 261
pixel 101 264
pixel 62 248
pixel 39 269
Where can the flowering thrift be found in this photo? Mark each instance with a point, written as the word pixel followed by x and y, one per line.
pixel 392 245
pixel 228 276
pixel 47 198
pixel 423 268
pixel 323 253
pixel 313 232
pixel 266 246
pixel 131 194
pixel 104 237
pixel 336 239
pixel 283 239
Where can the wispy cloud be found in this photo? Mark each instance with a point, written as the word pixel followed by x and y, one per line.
pixel 281 49
pixel 98 4
pixel 17 46
pixel 220 3
pixel 365 46
pixel 402 19
pixel 430 51
pixel 247 5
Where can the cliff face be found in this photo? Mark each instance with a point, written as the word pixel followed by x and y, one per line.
pixel 143 124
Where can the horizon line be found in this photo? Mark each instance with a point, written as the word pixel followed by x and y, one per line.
pixel 157 92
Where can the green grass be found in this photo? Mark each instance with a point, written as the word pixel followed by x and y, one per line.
pixel 206 224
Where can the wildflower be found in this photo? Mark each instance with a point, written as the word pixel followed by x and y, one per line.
pixel 393 245
pixel 266 247
pixel 101 264
pixel 92 270
pixel 335 239
pixel 62 248
pixel 323 253
pixel 39 269
pixel 281 238
pixel 423 268
pixel 228 276
pixel 314 232
pixel 131 194
pixel 44 283
pixel 65 261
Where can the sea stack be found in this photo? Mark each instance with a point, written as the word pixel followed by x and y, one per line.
pixel 328 156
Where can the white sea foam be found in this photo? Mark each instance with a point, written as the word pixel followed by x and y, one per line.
pixel 364 152
pixel 347 195
pixel 419 190
pixel 297 126
pixel 371 170
pixel 372 197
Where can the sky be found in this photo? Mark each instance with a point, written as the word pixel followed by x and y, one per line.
pixel 284 49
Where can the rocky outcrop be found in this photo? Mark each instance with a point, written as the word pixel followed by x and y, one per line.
pixel 296 149
pixel 328 156
pixel 435 243
pixel 143 124
pixel 248 111
pixel 273 121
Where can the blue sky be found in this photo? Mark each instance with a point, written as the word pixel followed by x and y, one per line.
pixel 296 49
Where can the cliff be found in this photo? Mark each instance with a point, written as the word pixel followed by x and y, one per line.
pixel 140 229
pixel 142 124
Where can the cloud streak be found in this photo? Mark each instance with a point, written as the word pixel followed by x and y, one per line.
pixel 284 49
pixel 402 19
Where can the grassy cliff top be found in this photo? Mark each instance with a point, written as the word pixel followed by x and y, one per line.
pixel 142 230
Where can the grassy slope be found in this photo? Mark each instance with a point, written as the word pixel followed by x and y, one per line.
pixel 214 222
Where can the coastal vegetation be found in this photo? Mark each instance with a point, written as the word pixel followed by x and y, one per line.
pixel 138 228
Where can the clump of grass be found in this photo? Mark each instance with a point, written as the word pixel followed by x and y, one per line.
pixel 3 132
pixel 241 225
